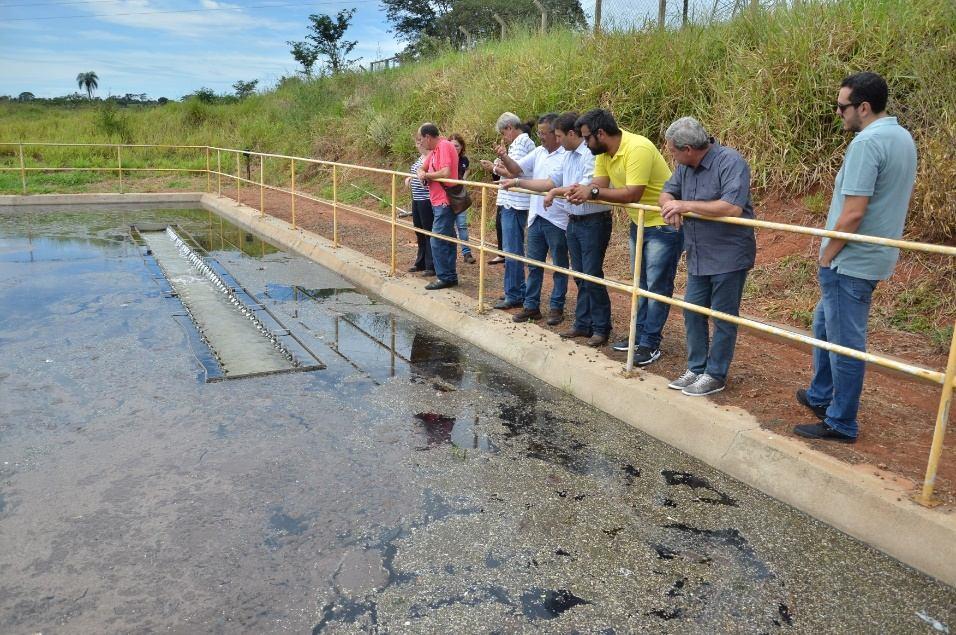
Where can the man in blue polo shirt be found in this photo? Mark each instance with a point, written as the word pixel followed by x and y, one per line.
pixel 871 196
pixel 711 181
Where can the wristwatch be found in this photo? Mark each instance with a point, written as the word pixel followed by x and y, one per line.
pixel 594 192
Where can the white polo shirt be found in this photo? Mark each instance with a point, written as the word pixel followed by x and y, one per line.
pixel 539 164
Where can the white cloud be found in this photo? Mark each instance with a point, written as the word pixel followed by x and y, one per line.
pixel 188 22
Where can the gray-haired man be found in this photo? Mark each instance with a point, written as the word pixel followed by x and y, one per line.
pixel 712 181
pixel 514 212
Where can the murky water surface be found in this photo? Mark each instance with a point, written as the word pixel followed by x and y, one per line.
pixel 414 485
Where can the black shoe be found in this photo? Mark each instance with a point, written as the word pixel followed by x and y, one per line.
pixel 440 284
pixel 644 355
pixel 507 304
pixel 497 260
pixel 819 411
pixel 574 332
pixel 821 431
pixel 555 317
pixel 598 340
pixel 469 259
pixel 415 268
pixel 428 273
pixel 526 314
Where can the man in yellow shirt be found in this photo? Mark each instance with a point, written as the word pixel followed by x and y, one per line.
pixel 630 169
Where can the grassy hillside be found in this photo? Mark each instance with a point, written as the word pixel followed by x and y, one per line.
pixel 764 83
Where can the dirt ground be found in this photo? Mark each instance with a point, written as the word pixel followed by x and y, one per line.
pixel 897 413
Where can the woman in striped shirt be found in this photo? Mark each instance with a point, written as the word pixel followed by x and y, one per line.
pixel 422 214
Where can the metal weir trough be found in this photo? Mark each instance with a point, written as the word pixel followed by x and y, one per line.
pixel 243 336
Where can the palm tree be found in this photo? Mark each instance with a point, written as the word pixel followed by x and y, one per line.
pixel 88 81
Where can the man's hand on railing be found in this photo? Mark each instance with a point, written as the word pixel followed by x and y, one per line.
pixel 579 193
pixel 508 183
pixel 548 198
pixel 673 210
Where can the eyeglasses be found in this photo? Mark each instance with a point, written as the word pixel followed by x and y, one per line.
pixel 842 107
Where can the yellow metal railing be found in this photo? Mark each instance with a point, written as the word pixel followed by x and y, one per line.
pixel 945 379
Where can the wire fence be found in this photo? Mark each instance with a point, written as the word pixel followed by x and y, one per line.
pixel 625 15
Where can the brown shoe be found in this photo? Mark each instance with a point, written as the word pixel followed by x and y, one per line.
pixel 573 332
pixel 526 314
pixel 597 340
pixel 468 258
pixel 555 317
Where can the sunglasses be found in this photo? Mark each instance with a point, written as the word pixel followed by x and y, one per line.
pixel 842 107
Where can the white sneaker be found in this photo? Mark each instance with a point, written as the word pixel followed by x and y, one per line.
pixel 705 385
pixel 684 380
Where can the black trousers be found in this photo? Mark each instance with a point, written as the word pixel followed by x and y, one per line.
pixel 423 217
pixel 498 226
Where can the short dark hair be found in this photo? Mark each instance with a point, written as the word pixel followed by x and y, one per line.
pixel 460 139
pixel 598 119
pixel 868 87
pixel 548 118
pixel 429 130
pixel 565 121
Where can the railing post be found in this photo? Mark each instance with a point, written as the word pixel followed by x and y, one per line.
pixel 632 327
pixel 238 175
pixel 208 176
pixel 23 171
pixel 262 185
pixel 482 256
pixel 218 172
pixel 394 222
pixel 119 165
pixel 335 206
pixel 293 193
pixel 942 417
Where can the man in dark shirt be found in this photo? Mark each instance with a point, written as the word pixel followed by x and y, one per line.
pixel 711 181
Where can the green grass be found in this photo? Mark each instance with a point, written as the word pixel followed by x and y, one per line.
pixel 763 83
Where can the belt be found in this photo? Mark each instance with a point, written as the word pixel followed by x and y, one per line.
pixel 573 218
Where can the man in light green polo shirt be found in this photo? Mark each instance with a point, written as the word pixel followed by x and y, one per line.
pixel 630 169
pixel 871 196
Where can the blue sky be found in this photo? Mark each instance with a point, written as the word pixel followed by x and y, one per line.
pixel 141 46
pixel 168 48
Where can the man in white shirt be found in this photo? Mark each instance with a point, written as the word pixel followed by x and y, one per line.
pixel 546 226
pixel 588 230
pixel 514 212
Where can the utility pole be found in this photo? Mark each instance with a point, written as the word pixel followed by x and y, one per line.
pixel 597 16
pixel 501 22
pixel 661 13
pixel 684 15
pixel 544 16
pixel 467 36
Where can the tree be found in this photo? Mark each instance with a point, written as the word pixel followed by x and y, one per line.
pixel 421 23
pixel 305 55
pixel 88 80
pixel 26 96
pixel 325 39
pixel 244 89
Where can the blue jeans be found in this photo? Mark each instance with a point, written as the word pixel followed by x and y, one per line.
pixel 461 228
pixel 444 252
pixel 659 257
pixel 840 318
pixel 720 292
pixel 513 222
pixel 545 236
pixel 587 243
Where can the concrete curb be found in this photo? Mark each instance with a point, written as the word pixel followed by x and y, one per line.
pixel 853 499
pixel 94 202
